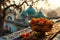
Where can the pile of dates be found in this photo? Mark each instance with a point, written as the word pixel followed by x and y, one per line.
pixel 41 24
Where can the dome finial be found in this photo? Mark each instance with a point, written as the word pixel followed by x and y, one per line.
pixel 30 5
pixel 40 9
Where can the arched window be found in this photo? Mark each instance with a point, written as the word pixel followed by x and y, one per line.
pixel 9 18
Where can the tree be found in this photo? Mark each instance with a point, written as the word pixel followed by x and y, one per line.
pixel 1 17
pixel 3 12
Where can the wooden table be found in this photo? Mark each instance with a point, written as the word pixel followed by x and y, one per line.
pixel 14 35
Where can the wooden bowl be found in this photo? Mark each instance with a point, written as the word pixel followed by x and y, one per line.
pixel 45 28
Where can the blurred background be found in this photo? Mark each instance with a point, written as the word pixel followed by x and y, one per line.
pixel 16 14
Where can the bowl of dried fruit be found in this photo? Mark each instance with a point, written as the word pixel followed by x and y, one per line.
pixel 41 24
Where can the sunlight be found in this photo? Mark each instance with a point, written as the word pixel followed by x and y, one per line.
pixel 48 4
pixel 51 4
pixel 17 2
pixel 54 3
